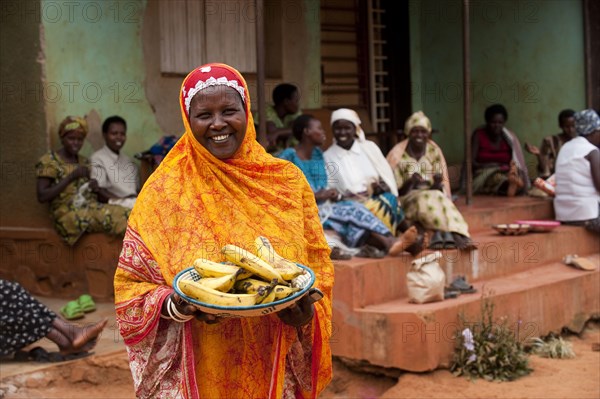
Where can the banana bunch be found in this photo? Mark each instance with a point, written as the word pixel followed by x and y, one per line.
pixel 245 279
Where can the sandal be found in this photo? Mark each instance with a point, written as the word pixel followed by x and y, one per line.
pixel 449 242
pixel 460 284
pixel 86 303
pixel 437 241
pixel 580 263
pixel 72 311
pixel 450 293
pixel 368 251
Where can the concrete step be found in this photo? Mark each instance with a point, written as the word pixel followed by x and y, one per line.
pixel 421 337
pixel 365 282
pixel 486 211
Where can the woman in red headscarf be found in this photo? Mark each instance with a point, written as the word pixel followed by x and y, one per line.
pixel 218 186
pixel 63 180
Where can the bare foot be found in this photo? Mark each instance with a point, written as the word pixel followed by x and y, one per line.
pixel 88 334
pixel 404 241
pixel 515 183
pixel 88 346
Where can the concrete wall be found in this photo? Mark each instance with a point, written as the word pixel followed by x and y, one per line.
pixel 95 65
pixel 22 113
pixel 100 58
pixel 527 55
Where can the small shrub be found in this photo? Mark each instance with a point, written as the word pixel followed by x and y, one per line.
pixel 488 349
pixel 553 347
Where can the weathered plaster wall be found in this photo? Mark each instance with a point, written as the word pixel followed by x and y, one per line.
pixel 527 55
pixel 298 25
pixel 95 64
pixel 22 121
pixel 302 49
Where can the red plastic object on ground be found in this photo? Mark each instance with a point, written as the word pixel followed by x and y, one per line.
pixel 540 225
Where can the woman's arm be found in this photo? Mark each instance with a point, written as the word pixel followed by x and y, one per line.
pixel 46 191
pixel 409 184
pixel 102 193
pixel 274 133
pixel 327 194
pixel 594 158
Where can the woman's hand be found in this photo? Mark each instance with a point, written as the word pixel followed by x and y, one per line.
pixel 330 194
pixel 532 149
pixel 379 187
pixel 298 314
pixel 81 171
pixel 437 182
pixel 187 309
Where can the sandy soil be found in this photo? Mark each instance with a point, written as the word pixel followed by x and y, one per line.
pixel 578 378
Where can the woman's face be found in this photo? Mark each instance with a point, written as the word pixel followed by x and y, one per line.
pixel 72 141
pixel 344 132
pixel 567 125
pixel 418 135
pixel 496 124
pixel 292 104
pixel 115 136
pixel 315 133
pixel 218 120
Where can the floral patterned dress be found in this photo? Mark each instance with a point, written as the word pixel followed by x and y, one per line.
pixel 431 208
pixel 23 320
pixel 76 209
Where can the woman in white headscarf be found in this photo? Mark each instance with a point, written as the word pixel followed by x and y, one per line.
pixel 577 198
pixel 423 185
pixel 357 169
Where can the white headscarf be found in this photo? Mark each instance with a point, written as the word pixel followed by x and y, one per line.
pixel 370 148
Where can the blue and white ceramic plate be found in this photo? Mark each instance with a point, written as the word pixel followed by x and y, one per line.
pixel 304 282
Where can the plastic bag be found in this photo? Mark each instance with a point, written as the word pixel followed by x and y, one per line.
pixel 426 279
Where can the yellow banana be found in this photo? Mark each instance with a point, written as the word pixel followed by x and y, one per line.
pixel 252 285
pixel 252 263
pixel 269 298
pixel 208 268
pixel 214 297
pixel 281 291
pixel 288 269
pixel 223 283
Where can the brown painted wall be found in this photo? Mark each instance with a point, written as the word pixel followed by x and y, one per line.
pixel 22 115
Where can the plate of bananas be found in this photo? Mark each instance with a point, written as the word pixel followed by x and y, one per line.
pixel 248 284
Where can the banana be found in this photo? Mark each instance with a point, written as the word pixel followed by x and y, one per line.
pixel 288 269
pixel 269 298
pixel 208 268
pixel 223 283
pixel 282 291
pixel 214 297
pixel 252 285
pixel 252 263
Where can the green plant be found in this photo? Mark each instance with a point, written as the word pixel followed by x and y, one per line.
pixel 488 349
pixel 553 347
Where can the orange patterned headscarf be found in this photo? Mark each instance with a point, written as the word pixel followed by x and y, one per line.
pixel 194 204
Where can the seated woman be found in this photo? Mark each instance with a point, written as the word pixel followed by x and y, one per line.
pixel 351 220
pixel 117 175
pixel 423 185
pixel 63 180
pixel 280 115
pixel 498 164
pixel 25 321
pixel 358 170
pixel 548 152
pixel 577 198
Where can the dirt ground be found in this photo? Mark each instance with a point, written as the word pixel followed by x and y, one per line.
pixel 578 378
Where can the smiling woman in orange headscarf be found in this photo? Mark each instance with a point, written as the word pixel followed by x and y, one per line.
pixel 218 186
